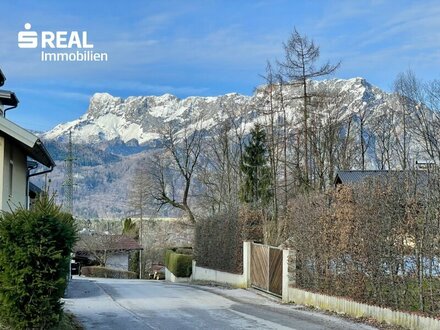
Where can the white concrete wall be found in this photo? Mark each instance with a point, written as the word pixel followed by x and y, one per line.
pixel 11 155
pixel 211 275
pixel 172 278
pixel 236 280
pixel 117 261
pixel 345 306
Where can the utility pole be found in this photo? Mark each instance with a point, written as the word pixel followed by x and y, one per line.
pixel 68 181
pixel 140 235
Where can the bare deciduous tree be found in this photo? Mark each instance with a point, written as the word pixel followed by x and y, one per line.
pixel 299 66
pixel 325 137
pixel 219 169
pixel 421 105
pixel 383 130
pixel 176 164
pixel 138 199
pixel 270 114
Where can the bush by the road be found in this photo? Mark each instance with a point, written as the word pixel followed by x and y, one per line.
pixel 377 242
pixel 179 264
pixel 98 271
pixel 35 248
pixel 219 242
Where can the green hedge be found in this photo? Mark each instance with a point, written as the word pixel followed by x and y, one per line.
pixel 177 263
pixel 97 271
pixel 35 248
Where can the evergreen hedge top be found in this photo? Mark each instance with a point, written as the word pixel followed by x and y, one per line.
pixel 178 264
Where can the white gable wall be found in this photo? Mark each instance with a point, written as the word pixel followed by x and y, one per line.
pixel 13 181
pixel 117 260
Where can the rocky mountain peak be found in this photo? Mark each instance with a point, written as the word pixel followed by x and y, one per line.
pixel 102 103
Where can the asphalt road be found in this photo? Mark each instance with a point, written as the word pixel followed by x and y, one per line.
pixel 135 304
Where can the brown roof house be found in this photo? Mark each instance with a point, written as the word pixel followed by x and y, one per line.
pixel 110 251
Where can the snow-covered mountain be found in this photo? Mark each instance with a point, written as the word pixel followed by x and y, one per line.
pixel 136 118
pixel 110 118
pixel 114 134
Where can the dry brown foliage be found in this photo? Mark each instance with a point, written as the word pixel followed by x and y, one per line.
pixel 218 242
pixel 376 242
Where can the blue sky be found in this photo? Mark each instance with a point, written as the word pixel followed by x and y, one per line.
pixel 205 47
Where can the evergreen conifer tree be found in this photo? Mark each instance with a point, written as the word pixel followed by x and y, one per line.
pixel 256 186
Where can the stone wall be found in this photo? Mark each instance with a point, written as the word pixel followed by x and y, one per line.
pixel 160 234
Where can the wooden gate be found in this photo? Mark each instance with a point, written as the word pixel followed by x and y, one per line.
pixel 267 268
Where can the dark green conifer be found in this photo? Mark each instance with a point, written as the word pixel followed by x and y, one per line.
pixel 256 186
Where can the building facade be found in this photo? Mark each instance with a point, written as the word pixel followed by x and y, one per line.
pixel 17 147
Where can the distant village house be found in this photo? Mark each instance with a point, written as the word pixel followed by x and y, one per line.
pixel 111 251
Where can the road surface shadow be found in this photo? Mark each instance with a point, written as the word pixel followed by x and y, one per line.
pixel 82 289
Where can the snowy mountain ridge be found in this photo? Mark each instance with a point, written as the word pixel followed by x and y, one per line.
pixel 115 134
pixel 137 117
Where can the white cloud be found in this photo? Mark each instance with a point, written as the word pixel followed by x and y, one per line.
pixel 52 92
pixel 160 89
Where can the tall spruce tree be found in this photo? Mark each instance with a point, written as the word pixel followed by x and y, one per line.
pixel 256 185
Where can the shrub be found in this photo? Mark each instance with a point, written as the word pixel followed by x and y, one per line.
pixel 252 224
pixel 183 250
pixel 133 262
pixel 219 242
pixel 376 242
pixel 35 248
pixel 98 271
pixel 178 264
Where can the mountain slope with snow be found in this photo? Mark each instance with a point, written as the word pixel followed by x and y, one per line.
pixel 114 134
pixel 136 118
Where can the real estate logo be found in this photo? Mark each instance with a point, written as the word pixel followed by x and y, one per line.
pixel 76 42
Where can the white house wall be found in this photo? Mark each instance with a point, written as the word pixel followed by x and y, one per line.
pixel 2 176
pixel 13 165
pixel 117 261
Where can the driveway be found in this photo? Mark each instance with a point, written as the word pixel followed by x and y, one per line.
pixel 136 304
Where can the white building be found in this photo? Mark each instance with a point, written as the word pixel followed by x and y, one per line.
pixel 16 146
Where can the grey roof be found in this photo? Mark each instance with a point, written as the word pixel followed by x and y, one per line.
pixel 356 176
pixel 2 78
pixel 348 177
pixel 34 188
pixel 29 142
pixel 106 243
